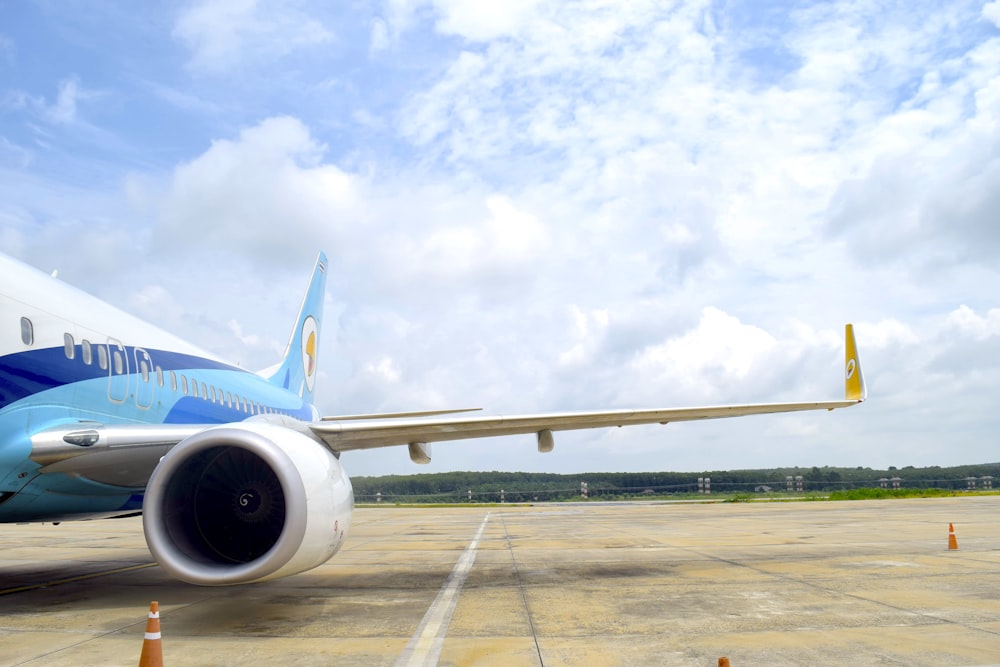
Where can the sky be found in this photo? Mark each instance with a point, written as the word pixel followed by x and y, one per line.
pixel 536 206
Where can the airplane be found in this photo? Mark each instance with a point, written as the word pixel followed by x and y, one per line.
pixel 236 475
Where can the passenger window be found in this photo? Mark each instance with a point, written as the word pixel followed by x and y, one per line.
pixel 119 362
pixel 69 345
pixel 194 388
pixel 102 357
pixel 27 331
pixel 229 399
pixel 144 369
pixel 88 357
pixel 184 384
pixel 159 376
pixel 173 381
pixel 204 390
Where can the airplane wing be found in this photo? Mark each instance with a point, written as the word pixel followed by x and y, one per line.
pixel 126 454
pixel 417 434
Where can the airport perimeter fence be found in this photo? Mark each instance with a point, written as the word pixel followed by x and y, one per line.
pixel 699 487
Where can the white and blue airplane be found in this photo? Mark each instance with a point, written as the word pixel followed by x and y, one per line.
pixel 237 476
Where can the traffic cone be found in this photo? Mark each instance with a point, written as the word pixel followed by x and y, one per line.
pixel 723 662
pixel 952 541
pixel 152 648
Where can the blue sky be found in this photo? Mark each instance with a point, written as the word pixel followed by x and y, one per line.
pixel 540 206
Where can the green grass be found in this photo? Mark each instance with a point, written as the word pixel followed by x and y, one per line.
pixel 426 505
pixel 875 494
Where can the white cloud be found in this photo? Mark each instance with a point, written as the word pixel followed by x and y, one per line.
pixel 151 299
pixel 384 370
pixel 507 238
pixel 601 113
pixel 7 49
pixel 471 20
pixel 889 332
pixel 380 39
pixel 586 336
pixel 14 154
pixel 183 100
pixel 251 340
pixel 968 322
pixel 991 12
pixel 224 34
pixel 64 109
pixel 267 193
pixel 480 21
pixel 719 351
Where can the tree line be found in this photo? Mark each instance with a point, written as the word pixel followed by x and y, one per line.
pixel 467 486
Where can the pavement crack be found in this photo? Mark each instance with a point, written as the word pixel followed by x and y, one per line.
pixel 521 588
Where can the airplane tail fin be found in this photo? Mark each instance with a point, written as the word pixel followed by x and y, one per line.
pixel 297 370
pixel 854 379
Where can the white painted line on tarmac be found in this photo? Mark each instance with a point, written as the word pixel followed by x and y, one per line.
pixel 424 648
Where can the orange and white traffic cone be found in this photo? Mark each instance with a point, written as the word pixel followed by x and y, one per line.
pixel 152 648
pixel 952 541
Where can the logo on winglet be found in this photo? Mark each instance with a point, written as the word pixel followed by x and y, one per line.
pixel 309 344
pixel 851 366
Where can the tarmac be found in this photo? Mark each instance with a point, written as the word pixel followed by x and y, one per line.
pixel 806 583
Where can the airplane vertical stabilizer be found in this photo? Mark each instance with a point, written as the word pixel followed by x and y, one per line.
pixel 297 371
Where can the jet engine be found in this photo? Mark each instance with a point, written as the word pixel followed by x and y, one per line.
pixel 246 502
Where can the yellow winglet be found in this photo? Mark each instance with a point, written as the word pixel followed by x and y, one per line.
pixel 854 379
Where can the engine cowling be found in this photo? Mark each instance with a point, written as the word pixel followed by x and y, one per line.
pixel 246 502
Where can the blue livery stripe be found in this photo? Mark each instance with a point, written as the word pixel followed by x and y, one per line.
pixel 25 374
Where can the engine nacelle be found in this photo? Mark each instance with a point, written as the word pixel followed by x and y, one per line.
pixel 246 502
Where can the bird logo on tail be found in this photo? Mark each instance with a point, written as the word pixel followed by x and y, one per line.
pixel 309 331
